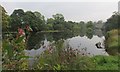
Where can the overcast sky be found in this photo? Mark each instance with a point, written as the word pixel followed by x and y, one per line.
pixel 74 11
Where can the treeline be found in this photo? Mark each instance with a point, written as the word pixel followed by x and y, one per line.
pixel 37 21
pixel 19 18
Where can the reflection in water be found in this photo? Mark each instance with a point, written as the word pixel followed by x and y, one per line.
pixel 34 53
pixel 36 39
pixel 89 44
pixel 84 44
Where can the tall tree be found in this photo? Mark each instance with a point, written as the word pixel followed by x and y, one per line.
pixel 58 22
pixel 50 22
pixel 83 28
pixel 17 19
pixel 112 22
pixel 40 21
pixel 5 20
pixel 90 29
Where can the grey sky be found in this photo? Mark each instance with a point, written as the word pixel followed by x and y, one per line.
pixel 74 11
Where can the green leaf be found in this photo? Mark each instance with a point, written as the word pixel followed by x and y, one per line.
pixel 19 39
pixel 20 57
pixel 9 48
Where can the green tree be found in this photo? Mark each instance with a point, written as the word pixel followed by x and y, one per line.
pixel 40 21
pixel 112 22
pixel 17 19
pixel 82 28
pixel 50 22
pixel 111 31
pixel 58 22
pixel 31 19
pixel 5 20
pixel 90 29
pixel 76 28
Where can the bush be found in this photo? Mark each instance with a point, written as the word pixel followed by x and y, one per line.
pixel 106 62
pixel 13 56
pixel 111 42
pixel 63 59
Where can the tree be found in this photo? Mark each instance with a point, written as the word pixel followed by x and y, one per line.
pixel 82 28
pixel 112 22
pixel 68 26
pixel 58 17
pixel 17 19
pixel 31 19
pixel 90 29
pixel 111 30
pixel 5 20
pixel 40 21
pixel 50 22
pixel 76 28
pixel 89 24
pixel 58 22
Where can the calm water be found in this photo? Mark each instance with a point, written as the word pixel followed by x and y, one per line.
pixel 88 44
pixel 84 44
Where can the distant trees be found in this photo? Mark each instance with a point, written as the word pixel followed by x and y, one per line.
pixel 50 23
pixel 17 19
pixel 58 22
pixel 82 28
pixel 89 29
pixel 21 18
pixel 38 23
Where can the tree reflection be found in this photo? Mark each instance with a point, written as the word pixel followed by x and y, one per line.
pixel 36 39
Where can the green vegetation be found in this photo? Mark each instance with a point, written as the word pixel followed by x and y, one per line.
pixel 112 44
pixel 106 62
pixel 58 57
pixel 112 34
pixel 36 21
pixel 13 55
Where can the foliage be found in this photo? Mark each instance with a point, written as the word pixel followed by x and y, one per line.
pixel 112 22
pixel 111 31
pixel 5 21
pixel 56 57
pixel 58 22
pixel 60 58
pixel 90 29
pixel 106 62
pixel 13 55
pixel 111 42
pixel 16 19
pixel 19 18
pixel 63 59
pixel 82 28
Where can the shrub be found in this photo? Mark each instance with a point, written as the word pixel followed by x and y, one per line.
pixel 106 62
pixel 63 59
pixel 112 43
pixel 13 56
